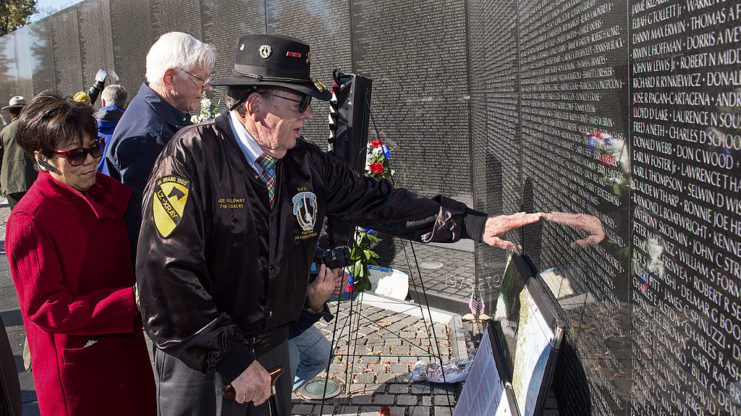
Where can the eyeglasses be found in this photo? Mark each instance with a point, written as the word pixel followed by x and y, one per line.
pixel 204 82
pixel 76 157
pixel 303 103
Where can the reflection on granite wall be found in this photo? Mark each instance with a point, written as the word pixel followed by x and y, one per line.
pixel 626 110
pixel 573 67
pixel 495 137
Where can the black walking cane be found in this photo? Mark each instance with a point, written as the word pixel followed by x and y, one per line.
pixel 229 392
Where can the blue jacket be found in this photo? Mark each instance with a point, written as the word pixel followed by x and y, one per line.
pixel 144 129
pixel 107 118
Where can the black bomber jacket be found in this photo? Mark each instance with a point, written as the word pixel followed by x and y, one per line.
pixel 215 266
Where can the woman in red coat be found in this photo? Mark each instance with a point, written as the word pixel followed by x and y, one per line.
pixel 69 257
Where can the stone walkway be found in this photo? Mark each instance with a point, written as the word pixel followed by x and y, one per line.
pixel 375 366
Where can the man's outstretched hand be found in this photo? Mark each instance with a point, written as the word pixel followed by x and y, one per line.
pixel 500 224
pixel 587 223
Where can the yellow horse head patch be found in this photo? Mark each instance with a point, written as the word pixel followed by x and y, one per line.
pixel 170 196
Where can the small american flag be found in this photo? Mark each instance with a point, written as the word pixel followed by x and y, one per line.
pixel 476 305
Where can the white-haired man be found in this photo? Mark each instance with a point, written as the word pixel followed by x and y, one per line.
pixel 178 71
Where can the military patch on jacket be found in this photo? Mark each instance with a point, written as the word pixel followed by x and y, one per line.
pixel 170 196
pixel 305 210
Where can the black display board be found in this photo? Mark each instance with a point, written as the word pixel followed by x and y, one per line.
pixel 626 110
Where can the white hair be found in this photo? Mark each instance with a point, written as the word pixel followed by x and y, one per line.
pixel 115 94
pixel 177 50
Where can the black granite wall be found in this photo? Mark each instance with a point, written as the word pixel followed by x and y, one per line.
pixel 625 110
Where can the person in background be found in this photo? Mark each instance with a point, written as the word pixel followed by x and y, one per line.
pixel 82 98
pixel 114 100
pixel 309 350
pixel 178 71
pixel 69 258
pixel 17 172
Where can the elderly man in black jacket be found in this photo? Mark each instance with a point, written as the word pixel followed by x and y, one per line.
pixel 231 216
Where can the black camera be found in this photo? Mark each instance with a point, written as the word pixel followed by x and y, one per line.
pixel 332 258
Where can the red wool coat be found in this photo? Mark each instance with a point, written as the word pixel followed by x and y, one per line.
pixel 70 262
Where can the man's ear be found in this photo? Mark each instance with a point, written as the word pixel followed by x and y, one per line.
pixel 253 104
pixel 168 78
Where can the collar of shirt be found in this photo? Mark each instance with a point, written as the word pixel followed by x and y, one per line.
pixel 246 143
pixel 182 118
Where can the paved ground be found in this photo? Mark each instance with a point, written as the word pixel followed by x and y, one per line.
pixel 387 338
pixel 375 366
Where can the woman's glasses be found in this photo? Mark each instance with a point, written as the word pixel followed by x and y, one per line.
pixel 303 103
pixel 76 157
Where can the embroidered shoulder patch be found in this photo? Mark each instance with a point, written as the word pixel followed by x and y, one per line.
pixel 170 196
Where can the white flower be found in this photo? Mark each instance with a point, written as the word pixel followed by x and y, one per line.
pixel 619 151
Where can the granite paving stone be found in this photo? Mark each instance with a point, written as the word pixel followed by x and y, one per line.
pixel 398 388
pixel 384 399
pixel 420 411
pixel 406 400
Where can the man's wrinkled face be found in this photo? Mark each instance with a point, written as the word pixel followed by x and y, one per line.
pixel 189 87
pixel 280 121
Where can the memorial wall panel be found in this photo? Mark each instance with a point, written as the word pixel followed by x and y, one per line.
pixel 415 53
pixel 573 72
pixel 495 146
pixel 686 152
pixel 96 40
pixel 224 22
pixel 66 47
pixel 176 16
pixel 131 24
pixel 9 69
pixel 325 26
pixel 44 74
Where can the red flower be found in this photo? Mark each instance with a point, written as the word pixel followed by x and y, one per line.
pixel 377 167
pixel 385 411
pixel 375 143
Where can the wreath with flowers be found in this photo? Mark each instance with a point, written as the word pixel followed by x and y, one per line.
pixel 377 160
pixel 361 255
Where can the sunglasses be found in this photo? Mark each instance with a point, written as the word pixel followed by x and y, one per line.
pixel 76 157
pixel 303 103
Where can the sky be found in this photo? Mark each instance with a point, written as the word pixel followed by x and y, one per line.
pixel 47 7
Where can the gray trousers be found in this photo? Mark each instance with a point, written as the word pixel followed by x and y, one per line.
pixel 182 390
